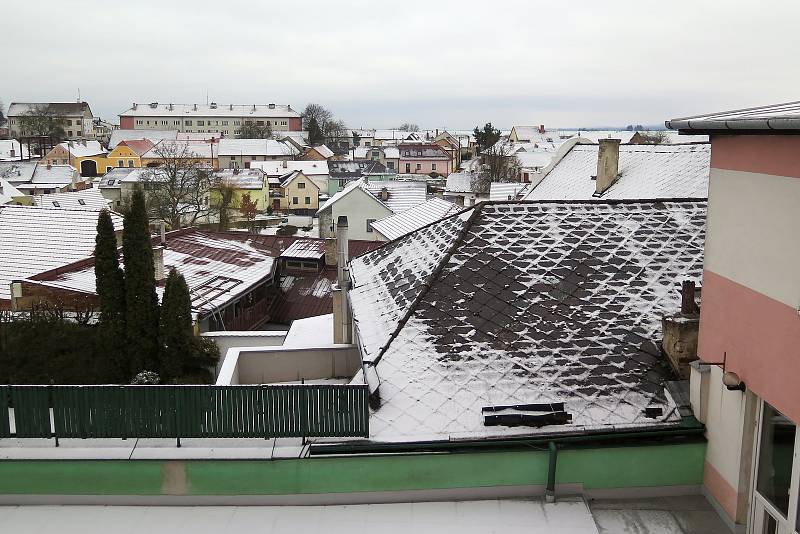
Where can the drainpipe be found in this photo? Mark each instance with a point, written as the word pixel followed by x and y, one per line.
pixel 550 490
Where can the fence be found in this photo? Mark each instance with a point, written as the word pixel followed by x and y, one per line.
pixel 249 411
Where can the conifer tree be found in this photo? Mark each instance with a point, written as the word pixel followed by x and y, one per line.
pixel 141 302
pixel 110 283
pixel 175 327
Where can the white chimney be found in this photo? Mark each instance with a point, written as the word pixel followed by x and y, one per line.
pixel 342 323
pixel 158 263
pixel 607 165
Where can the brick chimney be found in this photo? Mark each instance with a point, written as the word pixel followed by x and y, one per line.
pixel 681 332
pixel 541 128
pixel 607 165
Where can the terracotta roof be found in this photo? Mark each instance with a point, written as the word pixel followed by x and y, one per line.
pixel 139 146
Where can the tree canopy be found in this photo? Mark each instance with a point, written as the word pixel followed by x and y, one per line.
pixel 487 136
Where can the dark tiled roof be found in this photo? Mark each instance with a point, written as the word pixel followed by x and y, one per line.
pixel 303 296
pixel 512 303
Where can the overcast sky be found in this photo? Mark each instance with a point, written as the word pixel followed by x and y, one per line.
pixel 438 63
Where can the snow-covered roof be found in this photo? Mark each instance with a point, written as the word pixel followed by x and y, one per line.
pixel 324 151
pixel 242 178
pixel 53 174
pixel 211 110
pixel 399 224
pixel 529 302
pixel 645 172
pixel 671 137
pixel 280 168
pixel 383 135
pixel 784 116
pixel 59 108
pixel 401 195
pixel 8 192
pixel 81 149
pixel 20 151
pixel 459 182
pixel 507 190
pixel 534 160
pixel 116 176
pixel 391 152
pixel 34 240
pixel 155 136
pixel 90 199
pixel 305 248
pixel 255 147
pixel 218 268
pixel 193 148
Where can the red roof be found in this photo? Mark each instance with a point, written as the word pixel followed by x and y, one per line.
pixel 140 146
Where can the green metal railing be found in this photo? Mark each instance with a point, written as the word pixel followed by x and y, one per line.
pixel 250 411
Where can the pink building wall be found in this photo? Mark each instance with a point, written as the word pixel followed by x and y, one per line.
pixel 442 166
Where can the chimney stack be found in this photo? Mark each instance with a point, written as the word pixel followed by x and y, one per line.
pixel 158 263
pixel 541 128
pixel 607 165
pixel 163 235
pixel 342 323
pixel 384 194
pixel 681 331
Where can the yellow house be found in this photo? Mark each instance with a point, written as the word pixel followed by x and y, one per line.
pixel 89 157
pixel 204 153
pixel 241 182
pixel 128 153
pixel 300 194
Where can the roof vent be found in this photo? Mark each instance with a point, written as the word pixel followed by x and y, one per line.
pixel 213 105
pixel 171 107
pixel 272 106
pixel 195 107
pixel 153 105
pixel 135 105
pixel 231 107
pixel 536 415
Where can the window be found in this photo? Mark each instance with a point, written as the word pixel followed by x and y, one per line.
pixel 260 123
pixel 295 200
pixel 301 185
pixel 177 123
pixel 433 166
pixel 367 143
pixel 69 133
pixel 201 123
pixel 69 122
pixel 369 224
pixel 224 123
pixel 148 122
pixel 308 200
pixel 419 166
pixel 237 123
pixel 408 167
pixel 56 204
pixel 120 163
pixel 130 163
pixel 81 202
pixel 188 123
pixel 390 165
pixel 775 458
pixel 139 122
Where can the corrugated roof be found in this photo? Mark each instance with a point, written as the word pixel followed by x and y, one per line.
pixel 507 190
pixel 402 195
pixel 515 303
pixel 34 240
pixel 305 248
pixel 87 199
pixel 645 171
pixel 414 218
pixel 784 116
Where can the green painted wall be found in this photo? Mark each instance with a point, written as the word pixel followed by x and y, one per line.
pixel 620 467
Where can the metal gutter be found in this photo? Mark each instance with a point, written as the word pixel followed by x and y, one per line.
pixel 688 429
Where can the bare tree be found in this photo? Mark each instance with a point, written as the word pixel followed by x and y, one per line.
pixel 500 165
pixel 178 190
pixel 223 196
pixel 334 130
pixel 317 112
pixel 658 137
pixel 42 120
pixel 253 130
pixel 408 127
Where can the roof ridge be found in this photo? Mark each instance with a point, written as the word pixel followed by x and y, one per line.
pixel 426 285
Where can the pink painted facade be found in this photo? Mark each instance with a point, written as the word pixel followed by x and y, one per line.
pixel 424 166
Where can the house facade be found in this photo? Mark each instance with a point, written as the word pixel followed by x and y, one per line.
pixel 240 153
pixel 222 119
pixel 299 194
pixel 744 385
pixel 128 154
pixel 422 158
pixel 77 117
